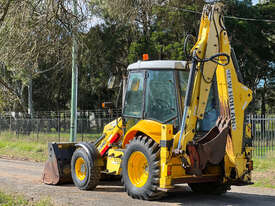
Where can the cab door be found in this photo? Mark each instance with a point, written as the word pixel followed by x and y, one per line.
pixel 160 97
pixel 134 98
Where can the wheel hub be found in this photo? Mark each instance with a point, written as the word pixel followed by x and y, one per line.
pixel 138 170
pixel 80 169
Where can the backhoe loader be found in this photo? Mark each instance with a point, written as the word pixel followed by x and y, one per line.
pixel 181 122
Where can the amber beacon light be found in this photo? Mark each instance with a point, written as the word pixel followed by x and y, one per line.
pixel 145 57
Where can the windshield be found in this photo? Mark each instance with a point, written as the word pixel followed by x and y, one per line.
pixel 160 95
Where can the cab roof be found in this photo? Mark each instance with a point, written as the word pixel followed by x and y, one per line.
pixel 158 64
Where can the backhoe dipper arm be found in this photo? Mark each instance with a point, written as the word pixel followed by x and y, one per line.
pixel 212 55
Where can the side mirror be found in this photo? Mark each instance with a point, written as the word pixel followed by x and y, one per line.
pixel 114 81
pixel 111 82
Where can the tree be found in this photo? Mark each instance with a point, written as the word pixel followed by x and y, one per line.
pixel 33 34
pixel 35 41
pixel 4 8
pixel 270 90
pixel 104 54
pixel 253 41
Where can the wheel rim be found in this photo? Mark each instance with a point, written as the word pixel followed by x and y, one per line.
pixel 80 168
pixel 138 169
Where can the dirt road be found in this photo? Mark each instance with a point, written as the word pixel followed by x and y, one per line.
pixel 24 177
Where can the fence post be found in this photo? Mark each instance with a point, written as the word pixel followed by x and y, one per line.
pixel 10 123
pixel 58 126
pixel 17 130
pixel 37 130
pixel 1 125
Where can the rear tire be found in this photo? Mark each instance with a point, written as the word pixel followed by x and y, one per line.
pixel 140 169
pixel 85 172
pixel 214 188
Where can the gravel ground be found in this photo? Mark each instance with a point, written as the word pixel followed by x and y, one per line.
pixel 24 177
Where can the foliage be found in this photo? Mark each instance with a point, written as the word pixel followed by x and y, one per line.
pixel 35 43
pixel 270 93
pixel 253 41
pixel 35 38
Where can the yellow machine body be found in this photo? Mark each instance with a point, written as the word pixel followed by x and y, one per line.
pixel 222 155
pixel 111 134
pixel 114 161
pixel 234 98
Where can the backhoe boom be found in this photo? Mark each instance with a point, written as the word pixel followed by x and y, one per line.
pixel 212 62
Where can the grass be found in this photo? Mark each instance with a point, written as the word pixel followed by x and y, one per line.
pixel 29 147
pixel 47 137
pixel 23 149
pixel 264 171
pixel 265 163
pixel 18 200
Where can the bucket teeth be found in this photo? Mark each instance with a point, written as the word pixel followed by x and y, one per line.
pixel 211 147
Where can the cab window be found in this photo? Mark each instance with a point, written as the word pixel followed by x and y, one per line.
pixel 133 106
pixel 183 81
pixel 160 98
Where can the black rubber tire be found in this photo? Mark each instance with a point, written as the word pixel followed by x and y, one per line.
pixel 214 188
pixel 93 171
pixel 151 151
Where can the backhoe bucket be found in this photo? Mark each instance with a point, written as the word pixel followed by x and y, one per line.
pixel 57 169
pixel 211 147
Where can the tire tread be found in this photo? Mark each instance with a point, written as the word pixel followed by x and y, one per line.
pixel 148 192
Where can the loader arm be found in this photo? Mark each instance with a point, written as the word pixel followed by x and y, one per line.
pixel 212 56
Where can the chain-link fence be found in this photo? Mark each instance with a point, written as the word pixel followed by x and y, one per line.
pixel 263 132
pixel 55 126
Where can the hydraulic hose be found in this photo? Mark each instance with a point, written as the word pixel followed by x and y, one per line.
pixel 188 96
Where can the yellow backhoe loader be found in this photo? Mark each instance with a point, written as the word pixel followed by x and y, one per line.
pixel 181 122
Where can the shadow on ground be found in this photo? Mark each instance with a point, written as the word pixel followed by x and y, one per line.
pixel 184 196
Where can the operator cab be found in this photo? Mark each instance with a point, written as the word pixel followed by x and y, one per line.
pixel 155 90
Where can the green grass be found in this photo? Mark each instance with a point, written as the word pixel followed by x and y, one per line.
pixel 263 174
pixel 47 137
pixel 264 163
pixel 18 200
pixel 30 147
pixel 264 183
pixel 23 149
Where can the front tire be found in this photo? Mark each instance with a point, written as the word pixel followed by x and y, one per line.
pixel 85 172
pixel 140 169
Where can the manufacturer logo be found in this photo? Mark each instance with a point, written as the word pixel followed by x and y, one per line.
pixel 231 100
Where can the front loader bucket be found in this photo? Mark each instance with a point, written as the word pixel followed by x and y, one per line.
pixel 57 169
